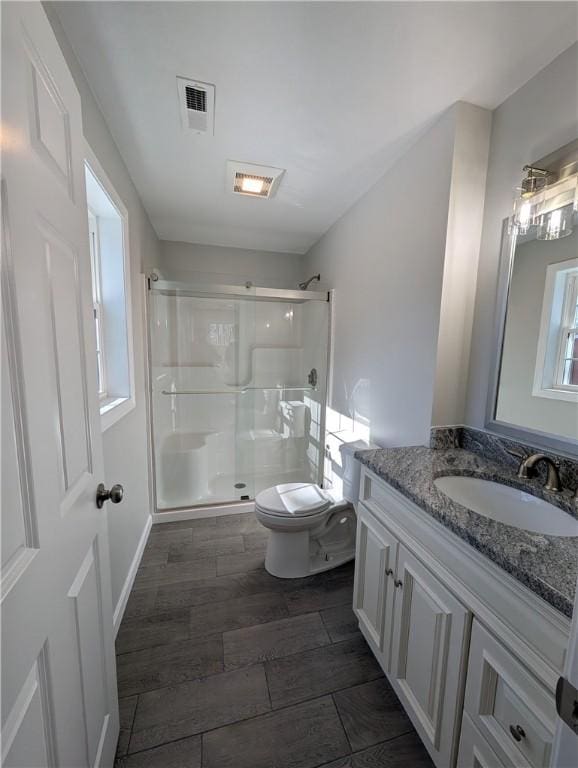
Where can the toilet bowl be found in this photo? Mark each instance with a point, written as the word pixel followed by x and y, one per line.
pixel 310 529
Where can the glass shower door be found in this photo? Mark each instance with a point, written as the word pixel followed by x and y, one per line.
pixel 235 406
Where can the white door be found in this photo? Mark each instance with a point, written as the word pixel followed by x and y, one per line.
pixel 373 590
pixel 428 655
pixel 59 704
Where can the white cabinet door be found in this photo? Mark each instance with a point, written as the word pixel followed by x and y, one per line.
pixel 373 591
pixel 431 629
pixel 59 703
pixel 475 752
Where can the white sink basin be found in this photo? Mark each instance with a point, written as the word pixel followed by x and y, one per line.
pixel 508 505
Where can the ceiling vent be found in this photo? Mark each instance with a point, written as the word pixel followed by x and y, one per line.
pixel 197 105
pixel 252 180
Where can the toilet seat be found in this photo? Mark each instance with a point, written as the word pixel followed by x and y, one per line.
pixel 292 500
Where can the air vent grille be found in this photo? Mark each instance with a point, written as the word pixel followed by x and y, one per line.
pixel 196 99
pixel 197 105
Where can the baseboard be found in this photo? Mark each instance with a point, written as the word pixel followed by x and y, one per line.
pixel 129 581
pixel 194 513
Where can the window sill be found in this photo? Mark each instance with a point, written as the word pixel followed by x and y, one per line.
pixel 557 394
pixel 112 409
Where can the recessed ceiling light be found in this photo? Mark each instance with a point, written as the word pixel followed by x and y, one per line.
pixel 252 180
pixel 252 184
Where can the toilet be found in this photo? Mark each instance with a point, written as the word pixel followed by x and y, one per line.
pixel 310 529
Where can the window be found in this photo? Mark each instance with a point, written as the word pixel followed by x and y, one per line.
pixel 567 373
pixel 556 374
pixel 107 229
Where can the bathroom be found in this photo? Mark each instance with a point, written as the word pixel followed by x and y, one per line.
pixel 289 334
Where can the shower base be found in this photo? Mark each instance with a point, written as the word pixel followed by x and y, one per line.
pixel 223 490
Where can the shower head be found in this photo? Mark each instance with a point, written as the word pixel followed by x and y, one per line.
pixel 305 285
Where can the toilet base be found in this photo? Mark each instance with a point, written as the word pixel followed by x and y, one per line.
pixel 295 555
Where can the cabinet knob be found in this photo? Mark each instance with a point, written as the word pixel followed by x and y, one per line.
pixel 389 572
pixel 518 733
pixel 398 583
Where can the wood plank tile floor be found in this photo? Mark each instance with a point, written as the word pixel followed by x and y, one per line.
pixel 221 665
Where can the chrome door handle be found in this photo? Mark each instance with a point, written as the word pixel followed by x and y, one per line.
pixel 102 494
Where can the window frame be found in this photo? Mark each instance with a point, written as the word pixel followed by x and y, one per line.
pixel 567 327
pixel 96 276
pixel 549 372
pixel 115 407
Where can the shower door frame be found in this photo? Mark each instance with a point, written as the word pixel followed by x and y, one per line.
pixel 250 292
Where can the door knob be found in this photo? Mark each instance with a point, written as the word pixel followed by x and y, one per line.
pixel 102 494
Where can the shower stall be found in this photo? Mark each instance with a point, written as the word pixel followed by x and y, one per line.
pixel 238 387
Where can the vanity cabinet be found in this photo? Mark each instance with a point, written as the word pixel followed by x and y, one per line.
pixel 472 654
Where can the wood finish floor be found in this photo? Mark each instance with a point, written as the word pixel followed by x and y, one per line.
pixel 221 665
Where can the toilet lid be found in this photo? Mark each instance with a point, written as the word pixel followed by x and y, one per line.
pixel 293 500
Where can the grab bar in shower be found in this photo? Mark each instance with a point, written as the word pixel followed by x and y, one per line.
pixel 235 391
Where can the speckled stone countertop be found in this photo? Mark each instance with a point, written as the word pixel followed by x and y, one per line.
pixel 548 565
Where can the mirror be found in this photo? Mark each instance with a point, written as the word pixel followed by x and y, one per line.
pixel 535 392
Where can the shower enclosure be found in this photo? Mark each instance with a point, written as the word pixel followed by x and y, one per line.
pixel 238 387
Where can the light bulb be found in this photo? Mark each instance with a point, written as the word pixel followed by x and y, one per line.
pixel 556 224
pixel 254 186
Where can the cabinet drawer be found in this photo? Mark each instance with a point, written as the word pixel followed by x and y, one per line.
pixel 509 707
pixel 475 752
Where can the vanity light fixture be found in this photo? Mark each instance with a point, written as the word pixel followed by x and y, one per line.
pixel 546 201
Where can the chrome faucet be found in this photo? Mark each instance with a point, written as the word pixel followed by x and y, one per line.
pixel 527 469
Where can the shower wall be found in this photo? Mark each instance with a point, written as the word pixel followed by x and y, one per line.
pixel 233 410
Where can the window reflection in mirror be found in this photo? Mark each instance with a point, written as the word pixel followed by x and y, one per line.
pixel 538 380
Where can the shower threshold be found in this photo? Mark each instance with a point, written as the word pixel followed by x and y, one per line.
pixel 221 498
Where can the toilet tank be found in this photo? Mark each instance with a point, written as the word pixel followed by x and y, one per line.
pixel 351 469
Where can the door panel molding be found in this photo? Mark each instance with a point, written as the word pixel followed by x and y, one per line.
pixel 31 719
pixel 56 249
pixel 20 558
pixel 85 594
pixel 39 75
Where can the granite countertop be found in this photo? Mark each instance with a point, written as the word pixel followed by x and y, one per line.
pixel 548 565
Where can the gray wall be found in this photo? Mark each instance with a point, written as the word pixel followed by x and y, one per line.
pixel 385 259
pixel 216 264
pixel 125 443
pixel 537 119
pixel 516 403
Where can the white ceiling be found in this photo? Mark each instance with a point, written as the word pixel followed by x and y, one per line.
pixel 333 92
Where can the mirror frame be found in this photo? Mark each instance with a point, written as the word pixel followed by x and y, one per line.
pixel 549 441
